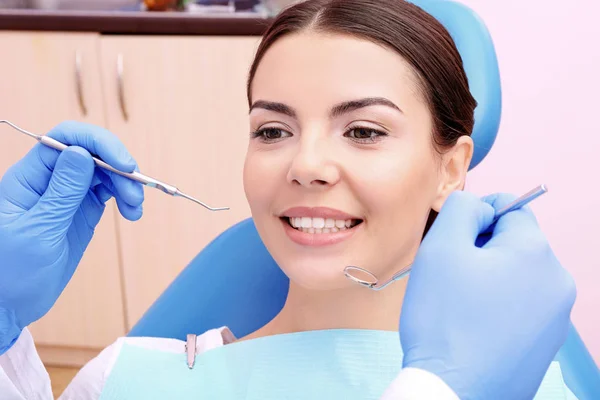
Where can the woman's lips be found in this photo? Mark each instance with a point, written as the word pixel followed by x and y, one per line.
pixel 317 239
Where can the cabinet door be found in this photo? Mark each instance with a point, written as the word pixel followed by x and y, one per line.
pixel 185 119
pixel 38 90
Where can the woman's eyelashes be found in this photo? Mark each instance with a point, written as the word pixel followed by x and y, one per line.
pixel 270 134
pixel 364 135
pixel 358 134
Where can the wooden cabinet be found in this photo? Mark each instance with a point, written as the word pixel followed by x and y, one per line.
pixel 38 89
pixel 187 124
pixel 179 104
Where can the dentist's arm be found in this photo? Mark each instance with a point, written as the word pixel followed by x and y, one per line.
pixel 50 204
pixel 484 313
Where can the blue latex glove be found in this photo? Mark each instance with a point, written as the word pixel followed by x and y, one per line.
pixel 50 203
pixel 485 317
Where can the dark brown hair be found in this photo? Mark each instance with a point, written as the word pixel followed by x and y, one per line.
pixel 415 35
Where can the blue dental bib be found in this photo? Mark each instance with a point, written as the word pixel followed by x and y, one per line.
pixel 328 364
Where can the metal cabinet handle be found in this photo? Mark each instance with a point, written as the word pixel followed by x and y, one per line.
pixel 121 86
pixel 79 83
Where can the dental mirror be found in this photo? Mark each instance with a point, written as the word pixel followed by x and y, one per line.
pixel 369 280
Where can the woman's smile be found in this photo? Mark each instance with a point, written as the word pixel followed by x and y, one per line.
pixel 319 226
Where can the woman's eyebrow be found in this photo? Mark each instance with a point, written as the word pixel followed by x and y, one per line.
pixel 275 107
pixel 349 106
pixel 336 111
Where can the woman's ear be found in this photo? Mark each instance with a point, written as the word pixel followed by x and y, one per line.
pixel 455 164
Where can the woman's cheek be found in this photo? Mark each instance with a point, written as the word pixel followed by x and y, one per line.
pixel 399 190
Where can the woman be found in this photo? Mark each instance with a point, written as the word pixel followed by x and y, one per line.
pixel 360 120
pixel 362 108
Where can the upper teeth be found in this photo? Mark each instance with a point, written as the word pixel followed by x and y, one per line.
pixel 319 223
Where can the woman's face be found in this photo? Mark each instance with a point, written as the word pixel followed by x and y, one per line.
pixel 341 168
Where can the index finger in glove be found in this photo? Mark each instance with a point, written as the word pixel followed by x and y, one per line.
pixel 518 227
pixel 98 141
pixel 105 145
pixel 501 200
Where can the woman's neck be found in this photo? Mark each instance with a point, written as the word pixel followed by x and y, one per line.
pixel 352 308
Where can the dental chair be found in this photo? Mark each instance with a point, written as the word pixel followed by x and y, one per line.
pixel 235 282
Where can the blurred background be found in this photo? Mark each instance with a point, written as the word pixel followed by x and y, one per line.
pixel 549 62
pixel 168 77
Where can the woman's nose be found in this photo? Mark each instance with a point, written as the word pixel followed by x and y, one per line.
pixel 313 166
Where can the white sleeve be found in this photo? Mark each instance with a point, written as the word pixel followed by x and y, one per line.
pixel 418 384
pixel 22 374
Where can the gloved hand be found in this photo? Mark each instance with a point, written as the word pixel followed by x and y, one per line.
pixel 50 203
pixel 486 318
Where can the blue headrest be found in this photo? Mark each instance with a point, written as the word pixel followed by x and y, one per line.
pixel 479 59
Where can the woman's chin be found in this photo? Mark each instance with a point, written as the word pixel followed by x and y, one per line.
pixel 317 275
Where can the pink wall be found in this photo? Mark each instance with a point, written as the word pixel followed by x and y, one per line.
pixel 549 55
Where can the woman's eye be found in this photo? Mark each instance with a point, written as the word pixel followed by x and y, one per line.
pixel 271 134
pixel 364 135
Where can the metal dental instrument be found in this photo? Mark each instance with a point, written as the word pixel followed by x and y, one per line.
pixel 372 282
pixel 136 176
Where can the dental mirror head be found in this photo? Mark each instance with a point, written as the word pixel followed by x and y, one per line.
pixel 367 279
pixel 353 274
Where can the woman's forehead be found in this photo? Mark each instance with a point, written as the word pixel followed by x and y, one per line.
pixel 331 68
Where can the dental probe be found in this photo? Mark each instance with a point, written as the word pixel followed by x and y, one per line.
pixel 135 176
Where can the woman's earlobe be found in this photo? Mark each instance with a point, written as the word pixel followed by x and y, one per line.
pixel 454 170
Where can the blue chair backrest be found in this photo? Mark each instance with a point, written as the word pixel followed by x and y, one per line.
pixel 235 282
